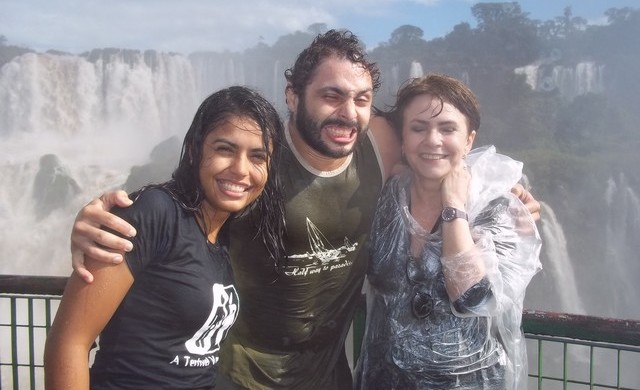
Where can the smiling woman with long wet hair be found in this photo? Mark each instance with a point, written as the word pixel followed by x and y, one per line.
pixel 162 314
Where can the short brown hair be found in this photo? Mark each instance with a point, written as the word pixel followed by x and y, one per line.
pixel 445 88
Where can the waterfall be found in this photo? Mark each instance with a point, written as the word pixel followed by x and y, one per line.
pixel 212 72
pixel 71 128
pixel 558 270
pixel 415 70
pixel 609 265
pixel 622 248
pixel 585 77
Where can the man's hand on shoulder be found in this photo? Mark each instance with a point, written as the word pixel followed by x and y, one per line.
pixel 528 200
pixel 88 238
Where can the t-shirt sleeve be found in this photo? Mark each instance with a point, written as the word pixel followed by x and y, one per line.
pixel 154 214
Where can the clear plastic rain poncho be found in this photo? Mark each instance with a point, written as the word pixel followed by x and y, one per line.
pixel 416 338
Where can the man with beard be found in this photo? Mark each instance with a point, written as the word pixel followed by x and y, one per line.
pixel 295 311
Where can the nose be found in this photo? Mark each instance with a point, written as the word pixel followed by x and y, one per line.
pixel 240 165
pixel 348 110
pixel 432 137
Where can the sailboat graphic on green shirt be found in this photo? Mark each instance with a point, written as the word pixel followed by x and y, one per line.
pixel 321 249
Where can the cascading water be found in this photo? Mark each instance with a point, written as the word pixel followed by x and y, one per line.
pixel 583 78
pixel 72 127
pixel 558 274
pixel 610 288
pixel 615 292
pixel 622 248
pixel 415 70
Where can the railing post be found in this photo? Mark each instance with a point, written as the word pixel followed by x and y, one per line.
pixel 14 342
pixel 32 362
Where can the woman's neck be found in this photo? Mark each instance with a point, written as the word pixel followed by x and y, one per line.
pixel 426 194
pixel 211 221
pixel 426 207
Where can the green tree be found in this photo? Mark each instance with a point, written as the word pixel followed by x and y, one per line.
pixel 394 57
pixel 454 53
pixel 564 26
pixel 286 47
pixel 406 35
pixel 621 15
pixel 505 32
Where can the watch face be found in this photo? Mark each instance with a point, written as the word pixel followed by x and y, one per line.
pixel 448 214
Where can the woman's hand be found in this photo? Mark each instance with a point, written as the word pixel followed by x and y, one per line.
pixel 455 186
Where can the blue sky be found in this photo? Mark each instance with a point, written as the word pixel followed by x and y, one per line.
pixel 437 18
pixel 194 25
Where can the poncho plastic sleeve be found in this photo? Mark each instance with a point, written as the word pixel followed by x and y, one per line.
pixel 508 244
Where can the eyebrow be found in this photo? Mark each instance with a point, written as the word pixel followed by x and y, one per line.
pixel 439 123
pixel 342 92
pixel 235 145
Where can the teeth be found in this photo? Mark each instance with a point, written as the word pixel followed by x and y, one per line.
pixel 232 187
pixel 432 156
pixel 339 131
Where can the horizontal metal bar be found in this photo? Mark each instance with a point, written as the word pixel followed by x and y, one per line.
pixel 38 285
pixel 588 343
pixel 582 327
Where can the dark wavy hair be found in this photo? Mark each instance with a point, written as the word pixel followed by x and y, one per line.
pixel 442 87
pixel 185 186
pixel 342 44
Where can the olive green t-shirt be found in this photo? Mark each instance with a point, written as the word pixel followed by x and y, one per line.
pixel 291 329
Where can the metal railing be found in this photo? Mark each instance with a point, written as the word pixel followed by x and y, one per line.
pixel 566 351
pixel 27 308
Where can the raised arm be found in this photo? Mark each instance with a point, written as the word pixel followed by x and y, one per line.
pixel 89 238
pixel 387 143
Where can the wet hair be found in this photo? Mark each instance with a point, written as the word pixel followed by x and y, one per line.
pixel 342 44
pixel 444 88
pixel 185 186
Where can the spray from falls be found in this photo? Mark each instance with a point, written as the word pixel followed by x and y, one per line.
pixel 71 128
pixel 558 267
pixel 622 247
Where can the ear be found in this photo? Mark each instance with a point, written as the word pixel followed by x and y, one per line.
pixel 291 98
pixel 470 138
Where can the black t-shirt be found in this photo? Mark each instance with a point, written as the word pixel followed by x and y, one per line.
pixel 167 331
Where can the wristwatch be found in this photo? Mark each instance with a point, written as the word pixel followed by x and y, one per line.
pixel 450 213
